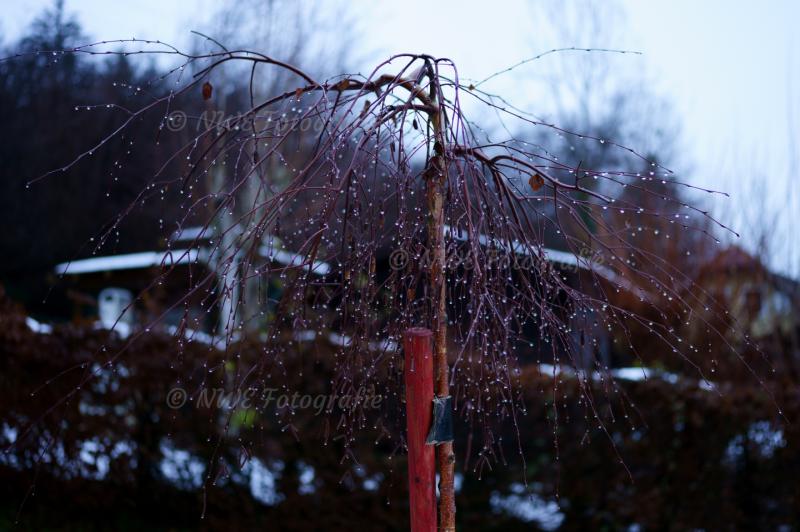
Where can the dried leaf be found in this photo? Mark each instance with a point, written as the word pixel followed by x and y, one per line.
pixel 298 92
pixel 365 110
pixel 536 182
pixel 207 90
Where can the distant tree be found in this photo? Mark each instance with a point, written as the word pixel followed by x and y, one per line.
pixel 599 96
pixel 314 43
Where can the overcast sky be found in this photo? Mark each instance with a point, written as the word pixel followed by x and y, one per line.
pixel 731 68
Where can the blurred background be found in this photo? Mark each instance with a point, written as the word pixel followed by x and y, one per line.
pixel 709 90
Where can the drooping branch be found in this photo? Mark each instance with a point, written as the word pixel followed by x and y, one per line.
pixel 359 172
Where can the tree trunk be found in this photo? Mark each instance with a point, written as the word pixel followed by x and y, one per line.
pixel 435 180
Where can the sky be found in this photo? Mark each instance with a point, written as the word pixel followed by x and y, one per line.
pixel 730 69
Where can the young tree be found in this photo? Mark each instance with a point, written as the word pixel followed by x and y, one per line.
pixel 388 166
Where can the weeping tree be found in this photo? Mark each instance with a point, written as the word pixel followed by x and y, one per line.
pixel 375 203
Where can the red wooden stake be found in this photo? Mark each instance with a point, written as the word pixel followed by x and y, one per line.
pixel 417 344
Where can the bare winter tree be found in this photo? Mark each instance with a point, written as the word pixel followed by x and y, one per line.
pixel 262 26
pixel 609 97
pixel 395 209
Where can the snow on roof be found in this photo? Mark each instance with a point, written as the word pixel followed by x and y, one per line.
pixel 190 234
pixel 286 258
pixel 149 259
pixel 555 255
pixel 290 259
pixel 129 261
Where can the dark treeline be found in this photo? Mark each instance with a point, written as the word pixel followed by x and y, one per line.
pixel 43 100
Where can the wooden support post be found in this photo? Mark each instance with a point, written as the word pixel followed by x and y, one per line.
pixel 418 373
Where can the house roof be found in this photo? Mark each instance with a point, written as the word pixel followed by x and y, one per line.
pixel 560 257
pixel 733 258
pixel 128 261
pixel 150 259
